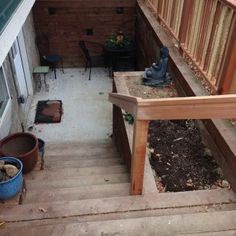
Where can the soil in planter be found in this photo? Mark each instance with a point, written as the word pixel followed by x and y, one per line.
pixel 179 158
pixel 136 88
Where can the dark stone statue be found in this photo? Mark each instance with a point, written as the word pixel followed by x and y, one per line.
pixel 157 74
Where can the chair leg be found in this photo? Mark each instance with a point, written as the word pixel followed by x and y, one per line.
pixel 90 71
pixel 55 72
pixel 86 66
pixel 62 66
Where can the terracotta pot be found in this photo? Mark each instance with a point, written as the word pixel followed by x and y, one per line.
pixel 23 146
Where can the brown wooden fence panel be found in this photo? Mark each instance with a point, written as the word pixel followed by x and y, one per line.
pixel 205 30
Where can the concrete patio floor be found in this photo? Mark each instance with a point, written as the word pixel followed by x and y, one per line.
pixel 87 114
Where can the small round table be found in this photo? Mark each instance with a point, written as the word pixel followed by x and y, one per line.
pixel 120 59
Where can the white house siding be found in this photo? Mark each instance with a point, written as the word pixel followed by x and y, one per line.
pixel 30 39
pixel 12 119
pixel 8 36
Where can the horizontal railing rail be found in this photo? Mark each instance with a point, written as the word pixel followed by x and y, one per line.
pixel 145 110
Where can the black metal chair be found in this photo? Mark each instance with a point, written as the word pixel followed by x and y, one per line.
pixel 89 60
pixel 46 57
pixel 52 61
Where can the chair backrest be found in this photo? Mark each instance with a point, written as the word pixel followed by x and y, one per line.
pixel 84 50
pixel 43 45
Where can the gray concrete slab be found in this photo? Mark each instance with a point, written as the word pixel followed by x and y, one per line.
pixel 87 113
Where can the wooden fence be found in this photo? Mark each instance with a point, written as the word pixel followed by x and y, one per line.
pixel 206 32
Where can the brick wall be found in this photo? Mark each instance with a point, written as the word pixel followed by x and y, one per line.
pixel 61 24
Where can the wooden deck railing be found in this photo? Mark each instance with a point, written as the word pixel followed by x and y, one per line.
pixel 145 110
pixel 205 31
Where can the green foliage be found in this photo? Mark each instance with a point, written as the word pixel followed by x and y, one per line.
pixel 113 43
pixel 128 117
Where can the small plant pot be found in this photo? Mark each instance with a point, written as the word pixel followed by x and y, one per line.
pixel 23 146
pixel 11 187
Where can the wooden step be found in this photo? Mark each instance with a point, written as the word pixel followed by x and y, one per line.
pixel 80 149
pixel 161 225
pixel 77 181
pixel 81 152
pixel 77 193
pixel 81 157
pixel 220 233
pixel 125 215
pixel 81 208
pixel 61 174
pixel 75 145
pixel 49 164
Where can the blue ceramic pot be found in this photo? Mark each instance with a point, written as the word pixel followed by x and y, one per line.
pixel 11 187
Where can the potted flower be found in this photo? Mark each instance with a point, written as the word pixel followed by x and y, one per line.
pixel 118 41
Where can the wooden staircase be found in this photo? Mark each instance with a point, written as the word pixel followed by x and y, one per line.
pixel 78 171
pixel 84 190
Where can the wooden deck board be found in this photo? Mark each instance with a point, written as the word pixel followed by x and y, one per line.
pixel 195 224
pixel 119 204
pixel 77 193
pixel 125 215
pixel 79 181
pixel 52 174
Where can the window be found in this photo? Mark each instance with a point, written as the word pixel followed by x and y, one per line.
pixel 7 8
pixel 4 97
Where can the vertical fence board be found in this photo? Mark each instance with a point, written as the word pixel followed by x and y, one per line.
pixel 202 28
pixel 227 74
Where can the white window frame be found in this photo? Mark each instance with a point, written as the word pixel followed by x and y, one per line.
pixel 7 107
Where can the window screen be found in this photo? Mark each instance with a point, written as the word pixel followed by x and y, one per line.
pixel 3 93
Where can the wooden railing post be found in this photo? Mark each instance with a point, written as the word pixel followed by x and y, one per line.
pixel 186 14
pixel 138 156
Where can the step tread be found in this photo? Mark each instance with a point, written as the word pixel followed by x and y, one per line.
pixel 83 163
pixel 219 233
pixel 126 215
pixel 77 193
pixel 70 157
pixel 70 172
pixel 162 225
pixel 52 146
pixel 115 204
pixel 79 181
pixel 79 149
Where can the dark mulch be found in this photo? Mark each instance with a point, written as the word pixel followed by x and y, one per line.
pixel 180 158
pixel 49 111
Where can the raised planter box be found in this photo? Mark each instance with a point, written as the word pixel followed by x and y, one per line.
pixel 123 134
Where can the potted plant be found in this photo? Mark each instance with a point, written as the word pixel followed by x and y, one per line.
pixel 118 41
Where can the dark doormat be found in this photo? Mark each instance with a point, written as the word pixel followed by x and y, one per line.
pixel 49 111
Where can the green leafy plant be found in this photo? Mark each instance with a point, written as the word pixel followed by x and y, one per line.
pixel 112 42
pixel 128 117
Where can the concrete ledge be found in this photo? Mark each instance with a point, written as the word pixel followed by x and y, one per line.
pixel 149 185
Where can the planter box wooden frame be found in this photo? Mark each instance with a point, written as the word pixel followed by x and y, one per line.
pixel 144 110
